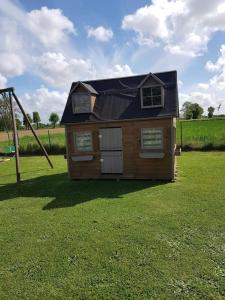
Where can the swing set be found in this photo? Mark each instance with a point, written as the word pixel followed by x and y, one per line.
pixel 13 150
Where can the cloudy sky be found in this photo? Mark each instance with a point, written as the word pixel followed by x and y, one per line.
pixel 45 45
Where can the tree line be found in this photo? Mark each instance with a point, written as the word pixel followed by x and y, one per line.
pixel 195 111
pixel 53 119
pixel 6 117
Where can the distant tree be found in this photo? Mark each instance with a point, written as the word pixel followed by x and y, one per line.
pixel 196 110
pixel 36 118
pixel 18 123
pixel 5 113
pixel 210 111
pixel 54 118
pixel 25 123
pixel 185 109
pixel 192 110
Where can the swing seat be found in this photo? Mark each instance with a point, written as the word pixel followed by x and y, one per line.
pixel 8 150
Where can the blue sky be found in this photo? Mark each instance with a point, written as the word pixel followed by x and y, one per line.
pixel 48 44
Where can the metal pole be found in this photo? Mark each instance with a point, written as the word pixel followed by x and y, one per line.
pixel 32 129
pixel 15 138
pixel 181 135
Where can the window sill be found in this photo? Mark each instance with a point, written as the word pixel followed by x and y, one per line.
pixel 151 154
pixel 152 106
pixel 82 158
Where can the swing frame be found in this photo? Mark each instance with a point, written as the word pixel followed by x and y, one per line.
pixel 10 92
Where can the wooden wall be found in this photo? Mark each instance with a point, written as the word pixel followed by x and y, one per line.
pixel 134 166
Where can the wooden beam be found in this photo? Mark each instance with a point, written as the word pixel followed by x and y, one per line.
pixel 15 138
pixel 32 129
pixel 7 90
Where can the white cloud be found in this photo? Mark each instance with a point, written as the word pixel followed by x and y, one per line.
pixel 11 64
pixel 203 86
pixel 183 27
pixel 12 56
pixel 180 83
pixel 25 33
pixel 118 71
pixel 3 82
pixel 50 26
pixel 220 63
pixel 57 70
pixel 100 33
pixel 212 92
pixel 44 101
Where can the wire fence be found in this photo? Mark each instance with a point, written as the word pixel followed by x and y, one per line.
pixel 52 139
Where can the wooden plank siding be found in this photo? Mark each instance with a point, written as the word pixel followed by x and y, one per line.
pixel 134 167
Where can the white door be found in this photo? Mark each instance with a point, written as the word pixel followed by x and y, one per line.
pixel 111 147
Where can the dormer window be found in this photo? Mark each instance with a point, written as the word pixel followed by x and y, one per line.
pixel 81 103
pixel 151 96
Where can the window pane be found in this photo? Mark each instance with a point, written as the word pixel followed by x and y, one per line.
pixel 83 141
pixel 151 96
pixel 152 138
pixel 147 92
pixel 81 103
pixel 156 91
pixel 156 100
pixel 147 101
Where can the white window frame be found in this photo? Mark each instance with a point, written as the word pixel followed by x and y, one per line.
pixel 162 96
pixel 159 147
pixel 74 103
pixel 77 148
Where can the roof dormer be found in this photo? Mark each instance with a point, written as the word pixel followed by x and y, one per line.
pixel 151 92
pixel 83 98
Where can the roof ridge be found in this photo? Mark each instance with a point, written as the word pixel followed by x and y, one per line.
pixel 123 77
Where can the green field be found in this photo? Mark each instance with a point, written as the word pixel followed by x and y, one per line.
pixel 62 239
pixel 29 144
pixel 197 134
pixel 200 133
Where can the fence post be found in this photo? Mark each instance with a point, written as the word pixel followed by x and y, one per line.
pixel 181 134
pixel 49 141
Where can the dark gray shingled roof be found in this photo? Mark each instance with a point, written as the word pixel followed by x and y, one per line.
pixel 119 99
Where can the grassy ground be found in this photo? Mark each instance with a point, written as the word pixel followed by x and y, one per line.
pixel 201 133
pixel 28 144
pixel 62 239
pixel 55 138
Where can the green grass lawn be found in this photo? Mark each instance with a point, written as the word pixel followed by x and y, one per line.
pixel 199 133
pixel 62 239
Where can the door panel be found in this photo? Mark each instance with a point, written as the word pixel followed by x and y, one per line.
pixel 111 139
pixel 111 150
pixel 112 162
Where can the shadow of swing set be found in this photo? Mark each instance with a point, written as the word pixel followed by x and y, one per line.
pixel 9 93
pixel 64 193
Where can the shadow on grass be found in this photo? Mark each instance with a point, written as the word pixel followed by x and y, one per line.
pixel 66 193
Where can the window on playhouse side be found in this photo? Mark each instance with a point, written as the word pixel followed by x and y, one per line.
pixel 152 96
pixel 83 141
pixel 151 138
pixel 81 103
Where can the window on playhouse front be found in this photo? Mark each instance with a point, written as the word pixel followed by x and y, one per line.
pixel 151 138
pixel 83 141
